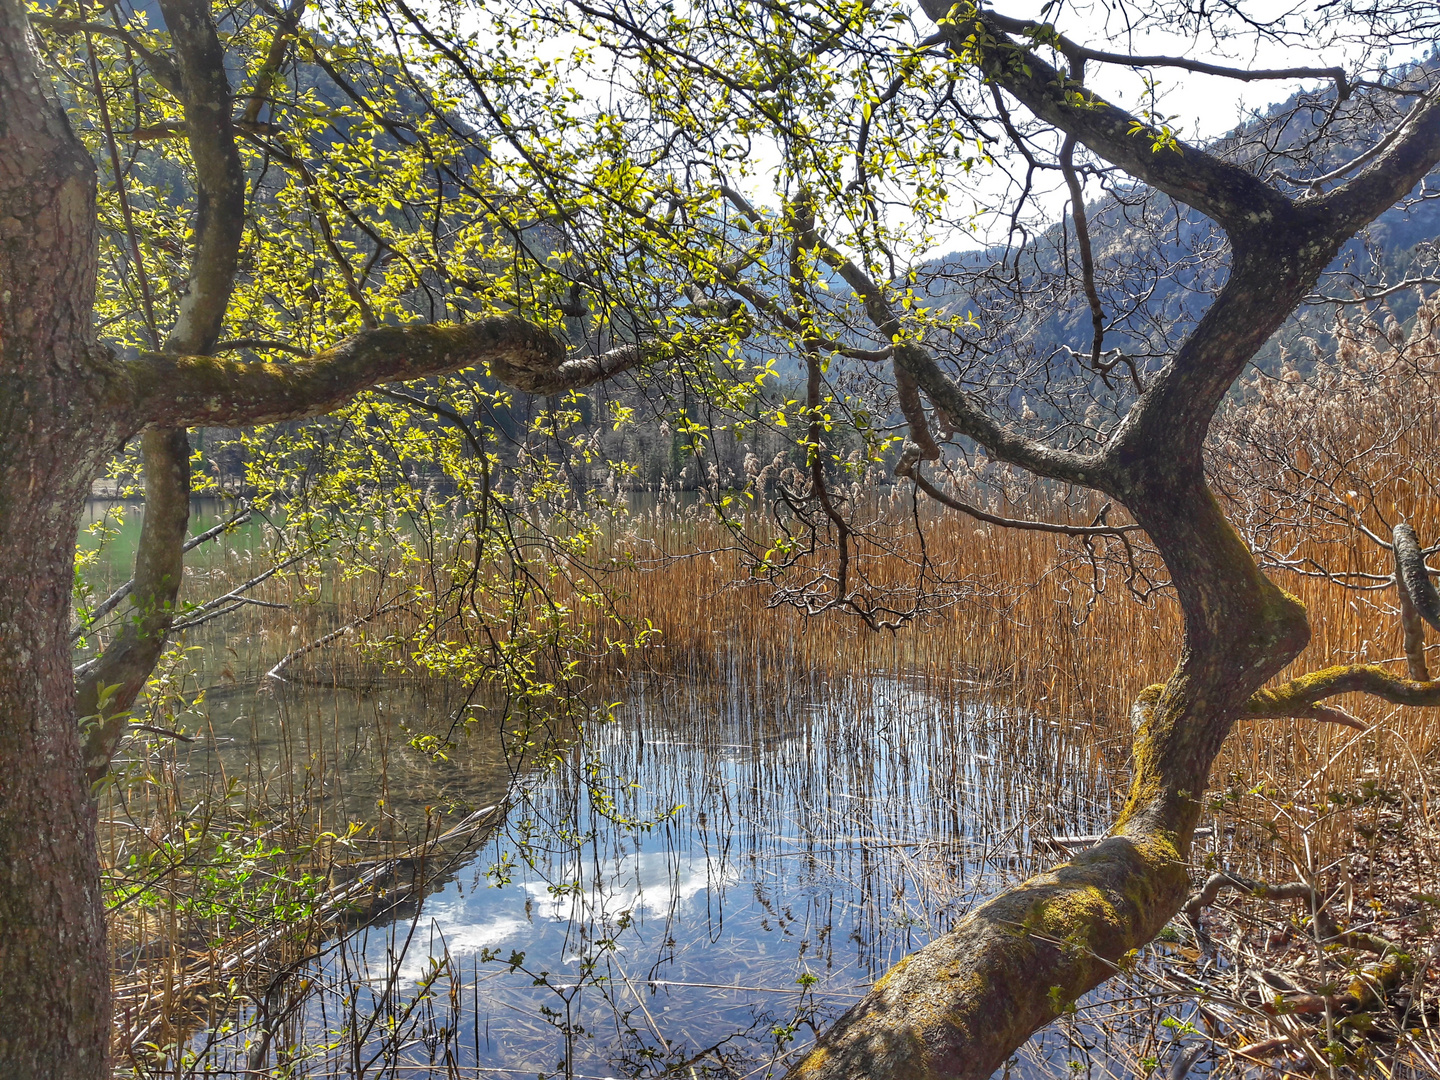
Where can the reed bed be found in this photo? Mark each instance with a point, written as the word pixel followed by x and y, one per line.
pixel 346 749
pixel 1028 636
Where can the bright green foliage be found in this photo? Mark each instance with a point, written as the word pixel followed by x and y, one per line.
pixel 663 180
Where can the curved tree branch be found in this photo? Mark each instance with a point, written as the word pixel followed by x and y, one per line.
pixel 924 484
pixel 121 671
pixel 1072 50
pixel 195 391
pixel 964 415
pixel 108 689
pixel 220 178
pixel 161 66
pixel 1390 176
pixel 1324 926
pixel 1295 697
pixel 1263 705
pixel 1221 190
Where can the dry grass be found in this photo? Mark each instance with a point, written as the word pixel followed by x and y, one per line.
pixel 1028 621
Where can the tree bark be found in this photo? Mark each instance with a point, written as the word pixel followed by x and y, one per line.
pixel 960 1006
pixel 54 967
pixel 956 1008
pixel 54 986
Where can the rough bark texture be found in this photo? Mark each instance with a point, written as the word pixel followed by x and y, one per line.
pixel 54 991
pixel 957 1008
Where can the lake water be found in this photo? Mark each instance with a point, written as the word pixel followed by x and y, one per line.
pixel 695 887
pixel 702 880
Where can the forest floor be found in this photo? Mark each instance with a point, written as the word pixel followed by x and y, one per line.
pixel 1342 982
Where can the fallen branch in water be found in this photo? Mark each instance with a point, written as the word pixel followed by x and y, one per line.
pixel 111 602
pixel 292 656
pixel 377 880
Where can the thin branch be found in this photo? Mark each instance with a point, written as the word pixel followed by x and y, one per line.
pixel 146 301
pixel 1326 930
pixel 112 601
pixel 163 67
pixel 295 654
pixel 1381 294
pixel 1087 255
pixel 236 596
pixel 1019 523
pixel 1045 33
pixel 231 344
pixel 174 129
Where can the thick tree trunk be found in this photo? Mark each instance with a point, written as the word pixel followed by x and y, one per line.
pixel 54 988
pixel 960 1006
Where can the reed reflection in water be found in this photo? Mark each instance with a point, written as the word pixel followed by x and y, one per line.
pixel 696 887
pixel 724 867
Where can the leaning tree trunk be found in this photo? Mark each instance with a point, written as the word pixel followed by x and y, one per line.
pixel 958 1008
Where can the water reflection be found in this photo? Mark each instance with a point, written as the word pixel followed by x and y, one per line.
pixel 696 887
pixel 795 837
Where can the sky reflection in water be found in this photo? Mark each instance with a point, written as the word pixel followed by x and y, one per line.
pixel 802 836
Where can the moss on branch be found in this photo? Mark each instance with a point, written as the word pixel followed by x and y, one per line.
pixel 1301 697
pixel 192 391
pixel 959 1006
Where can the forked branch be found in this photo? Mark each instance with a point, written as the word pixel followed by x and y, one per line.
pixel 964 414
pixel 1221 190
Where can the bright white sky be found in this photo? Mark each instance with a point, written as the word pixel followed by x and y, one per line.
pixel 1204 107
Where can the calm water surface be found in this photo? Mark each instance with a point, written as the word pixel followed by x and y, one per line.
pixel 718 870
pixel 701 882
